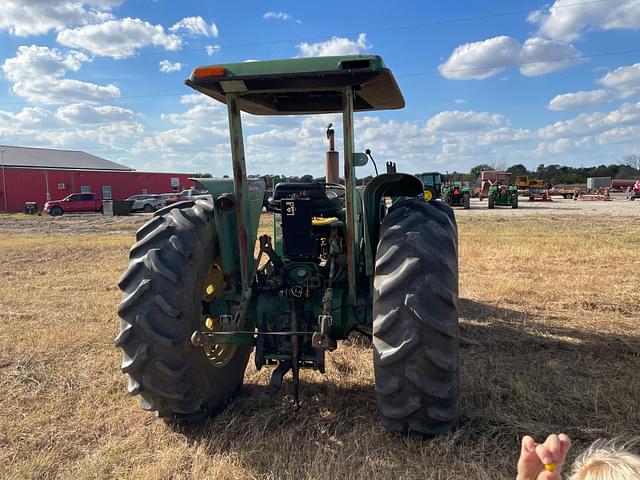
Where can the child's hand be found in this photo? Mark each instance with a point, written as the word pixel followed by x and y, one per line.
pixel 543 461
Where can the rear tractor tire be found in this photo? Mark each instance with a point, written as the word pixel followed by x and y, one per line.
pixel 491 201
pixel 466 201
pixel 514 201
pixel 164 294
pixel 415 320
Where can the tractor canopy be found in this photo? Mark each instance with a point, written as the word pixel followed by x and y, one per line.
pixel 301 85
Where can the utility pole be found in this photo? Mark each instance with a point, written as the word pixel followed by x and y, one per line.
pixel 4 182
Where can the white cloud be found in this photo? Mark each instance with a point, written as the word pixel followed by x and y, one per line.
pixel 196 26
pixel 480 60
pixel 36 61
pixel 567 20
pixel 581 99
pixel 37 17
pixel 83 114
pixel 334 46
pixel 277 16
pixel 505 136
pixel 118 38
pixel 459 101
pixel 212 49
pixel 593 123
pixel 627 134
pixel 63 90
pixel 71 126
pixel 167 67
pixel 463 121
pixel 541 56
pixel 27 118
pixel 203 110
pixel 487 58
pixel 624 80
pixel 37 73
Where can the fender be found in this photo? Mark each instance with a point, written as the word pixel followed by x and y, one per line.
pixel 386 185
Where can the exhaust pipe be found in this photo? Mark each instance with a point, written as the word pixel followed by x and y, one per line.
pixel 332 162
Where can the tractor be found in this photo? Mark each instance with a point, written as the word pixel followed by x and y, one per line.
pixel 197 299
pixel 432 182
pixel 456 194
pixel 503 196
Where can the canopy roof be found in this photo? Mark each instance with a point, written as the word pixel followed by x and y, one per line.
pixel 301 85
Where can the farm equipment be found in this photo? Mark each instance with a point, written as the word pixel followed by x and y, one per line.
pixel 456 194
pixel 382 261
pixel 503 196
pixel 565 192
pixel 432 182
pixel 490 178
pixel 533 188
pixel 599 195
pixel 536 193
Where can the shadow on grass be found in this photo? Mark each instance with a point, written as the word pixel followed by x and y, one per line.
pixel 490 324
pixel 519 376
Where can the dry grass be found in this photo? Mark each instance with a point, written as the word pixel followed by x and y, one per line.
pixel 551 342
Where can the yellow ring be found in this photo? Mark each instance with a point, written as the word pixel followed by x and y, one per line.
pixel 428 195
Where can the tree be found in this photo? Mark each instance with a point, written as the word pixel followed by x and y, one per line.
pixel 632 160
pixel 475 171
pixel 518 170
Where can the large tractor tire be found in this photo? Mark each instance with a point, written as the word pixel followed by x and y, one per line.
pixel 491 201
pixel 430 194
pixel 466 201
pixel 164 292
pixel 415 319
pixel 514 201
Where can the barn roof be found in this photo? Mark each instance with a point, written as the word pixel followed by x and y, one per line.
pixel 27 157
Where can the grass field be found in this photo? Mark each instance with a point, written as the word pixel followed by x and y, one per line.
pixel 550 342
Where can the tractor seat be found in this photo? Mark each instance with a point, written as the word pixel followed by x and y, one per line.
pixel 321 204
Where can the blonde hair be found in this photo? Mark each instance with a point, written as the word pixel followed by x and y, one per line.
pixel 607 460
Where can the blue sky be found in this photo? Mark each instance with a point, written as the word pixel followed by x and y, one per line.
pixel 497 82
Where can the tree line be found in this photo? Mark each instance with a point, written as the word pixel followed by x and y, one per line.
pixel 561 174
pixel 554 174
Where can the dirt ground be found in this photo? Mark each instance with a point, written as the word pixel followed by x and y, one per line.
pixel 89 224
pixel 550 342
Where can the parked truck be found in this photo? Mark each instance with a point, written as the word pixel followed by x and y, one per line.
pixel 74 203
pixel 188 194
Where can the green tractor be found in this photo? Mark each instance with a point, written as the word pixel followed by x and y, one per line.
pixel 503 196
pixel 196 301
pixel 432 183
pixel 456 194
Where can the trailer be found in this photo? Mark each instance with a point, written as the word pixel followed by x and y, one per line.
pixel 600 195
pixel 538 194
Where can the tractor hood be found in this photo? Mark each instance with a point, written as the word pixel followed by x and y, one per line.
pixel 301 85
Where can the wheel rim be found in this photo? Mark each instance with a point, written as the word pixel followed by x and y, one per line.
pixel 427 195
pixel 212 290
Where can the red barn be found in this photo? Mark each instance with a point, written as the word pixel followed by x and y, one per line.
pixel 42 174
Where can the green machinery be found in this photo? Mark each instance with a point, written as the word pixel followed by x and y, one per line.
pixel 503 196
pixel 456 194
pixel 197 300
pixel 432 183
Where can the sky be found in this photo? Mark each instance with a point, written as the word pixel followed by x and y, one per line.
pixel 492 81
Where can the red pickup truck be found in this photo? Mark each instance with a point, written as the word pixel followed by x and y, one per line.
pixel 76 202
